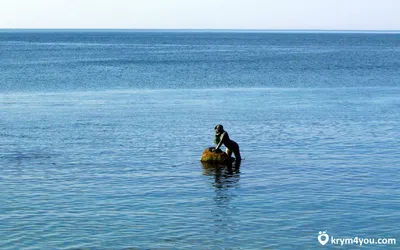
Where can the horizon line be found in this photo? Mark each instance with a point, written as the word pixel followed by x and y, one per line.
pixel 201 30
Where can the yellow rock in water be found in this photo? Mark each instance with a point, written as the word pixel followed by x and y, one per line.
pixel 218 156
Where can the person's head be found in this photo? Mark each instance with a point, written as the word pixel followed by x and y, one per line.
pixel 219 128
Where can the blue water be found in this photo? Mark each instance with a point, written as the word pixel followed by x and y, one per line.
pixel 101 135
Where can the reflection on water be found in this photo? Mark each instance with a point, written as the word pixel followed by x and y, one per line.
pixel 226 179
pixel 224 174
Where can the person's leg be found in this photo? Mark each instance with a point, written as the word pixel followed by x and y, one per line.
pixel 228 152
pixel 236 152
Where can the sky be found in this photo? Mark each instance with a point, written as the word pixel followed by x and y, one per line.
pixel 201 14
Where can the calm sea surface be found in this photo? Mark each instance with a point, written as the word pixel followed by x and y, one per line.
pixel 101 135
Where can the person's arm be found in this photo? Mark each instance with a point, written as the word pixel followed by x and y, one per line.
pixel 220 141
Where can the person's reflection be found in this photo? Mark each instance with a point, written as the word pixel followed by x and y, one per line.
pixel 226 178
pixel 222 173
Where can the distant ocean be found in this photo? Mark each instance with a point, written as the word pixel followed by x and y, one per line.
pixel 101 134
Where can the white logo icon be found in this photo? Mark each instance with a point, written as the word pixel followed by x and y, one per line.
pixel 323 238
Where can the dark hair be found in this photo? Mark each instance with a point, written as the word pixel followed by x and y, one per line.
pixel 219 125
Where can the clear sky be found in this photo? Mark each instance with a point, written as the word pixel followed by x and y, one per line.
pixel 202 14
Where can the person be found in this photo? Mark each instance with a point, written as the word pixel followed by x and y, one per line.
pixel 222 137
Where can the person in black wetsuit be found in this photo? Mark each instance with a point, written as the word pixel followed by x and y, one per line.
pixel 222 137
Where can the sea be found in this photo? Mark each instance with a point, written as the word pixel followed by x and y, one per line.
pixel 101 134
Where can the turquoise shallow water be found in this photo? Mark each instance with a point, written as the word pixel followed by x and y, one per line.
pixel 101 136
pixel 120 169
